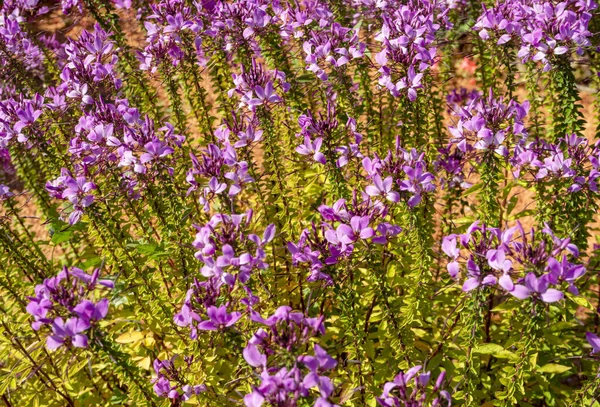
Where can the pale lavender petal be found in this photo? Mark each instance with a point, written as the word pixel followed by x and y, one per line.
pixel 552 295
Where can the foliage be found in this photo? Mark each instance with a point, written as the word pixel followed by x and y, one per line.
pixel 298 203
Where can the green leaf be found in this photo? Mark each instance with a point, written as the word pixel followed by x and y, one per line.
pixel 305 78
pixel 512 203
pixel 144 248
pixel 553 368
pixel 473 189
pixel 507 306
pixel 581 301
pixel 94 261
pixel 488 349
pixel 495 350
pixel 522 214
pixel 60 237
pixel 358 25
pixel 130 337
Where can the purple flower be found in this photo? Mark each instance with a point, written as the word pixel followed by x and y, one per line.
pixel 39 308
pixel 170 380
pixel 383 188
pixel 154 150
pixel 219 319
pixel 594 341
pixel 66 297
pixel 451 250
pixel 411 389
pixel 254 399
pixel 89 311
pixel 256 86
pixel 65 331
pixel 253 357
pixel 320 362
pixel 475 278
pixel 540 286
pixel 358 229
pixel 264 95
pixel 498 261
pixel 312 148
pixel 411 83
pixel 288 333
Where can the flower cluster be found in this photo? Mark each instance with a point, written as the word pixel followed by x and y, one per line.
pixel 461 97
pixel 344 227
pixel 525 265
pixel 219 166
pixel 90 65
pixel 401 175
pixel 489 124
pixel 76 189
pixel 237 24
pixel 571 160
pixel 201 299
pixel 172 29
pixel 227 251
pixel 542 30
pixel 111 136
pixel 408 45
pixel 411 389
pixel 229 255
pixel 323 131
pixel 450 167
pixel 327 119
pixel 117 136
pixel 334 46
pixel 256 86
pixel 299 17
pixel 20 121
pixel 277 351
pixel 170 379
pixel 64 303
pixel 16 47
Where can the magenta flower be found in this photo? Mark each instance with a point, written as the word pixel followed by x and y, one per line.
pixel 540 286
pixel 264 95
pixel 533 286
pixel 66 297
pixel 411 389
pixel 321 361
pixel 451 250
pixel 170 381
pixel 475 279
pixel 219 319
pixel 383 188
pixel 312 148
pixel 498 261
pixel 38 308
pixel 63 332
pixel 254 357
pixel 88 311
pixel 593 340
pixel 358 229
pixel 411 83
pixel 154 150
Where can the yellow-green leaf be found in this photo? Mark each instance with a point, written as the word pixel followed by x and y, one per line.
pixel 581 301
pixel 553 368
pixel 495 350
pixel 130 337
